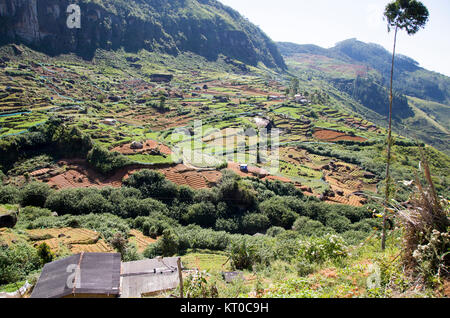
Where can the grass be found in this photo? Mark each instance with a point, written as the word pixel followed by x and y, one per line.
pixel 11 288
pixel 210 261
pixel 150 159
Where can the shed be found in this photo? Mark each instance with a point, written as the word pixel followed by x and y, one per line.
pixel 149 277
pixel 86 275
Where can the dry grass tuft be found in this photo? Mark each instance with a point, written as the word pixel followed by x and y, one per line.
pixel 426 224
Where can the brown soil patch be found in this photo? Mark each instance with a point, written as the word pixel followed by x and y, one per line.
pixel 197 179
pixel 328 273
pixel 149 146
pixel 447 288
pixel 79 175
pixel 331 135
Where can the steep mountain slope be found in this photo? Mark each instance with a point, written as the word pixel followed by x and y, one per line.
pixel 410 78
pixel 205 27
pixel 362 71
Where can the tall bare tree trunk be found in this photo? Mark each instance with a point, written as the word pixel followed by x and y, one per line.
pixel 388 165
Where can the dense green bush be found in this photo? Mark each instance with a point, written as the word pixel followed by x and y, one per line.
pixel 305 226
pixel 35 194
pixel 320 249
pixel 105 161
pixel 9 194
pixel 227 225
pixel 153 184
pixel 32 213
pixel 78 201
pixel 255 223
pixel 275 231
pixel 17 262
pixel 243 256
pixel 203 214
pixel 278 212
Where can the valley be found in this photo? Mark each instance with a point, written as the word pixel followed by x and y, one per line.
pixel 183 130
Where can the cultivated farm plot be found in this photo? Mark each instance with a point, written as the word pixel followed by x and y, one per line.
pixel 8 237
pixel 141 241
pixel 331 135
pixel 76 240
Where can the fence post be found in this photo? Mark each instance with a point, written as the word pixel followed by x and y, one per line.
pixel 180 276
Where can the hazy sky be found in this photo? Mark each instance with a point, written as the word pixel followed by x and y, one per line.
pixel 325 22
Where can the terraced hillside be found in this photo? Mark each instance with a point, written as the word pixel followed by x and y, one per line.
pixel 360 71
pixel 150 124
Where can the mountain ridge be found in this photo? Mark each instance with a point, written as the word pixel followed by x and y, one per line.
pixel 410 78
pixel 362 71
pixel 204 27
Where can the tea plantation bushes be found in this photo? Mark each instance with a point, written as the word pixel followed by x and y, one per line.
pixel 106 224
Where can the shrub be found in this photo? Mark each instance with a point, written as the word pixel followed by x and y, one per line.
pixel 193 236
pixel 105 161
pixel 17 262
pixel 354 237
pixel 304 267
pixel 93 202
pixel 255 223
pixel 169 243
pixel 242 256
pixel 278 212
pixel 186 194
pixel 132 207
pixel 275 231
pixel 236 193
pixel 320 249
pixel 227 225
pixel 131 253
pixel 32 213
pixel 203 214
pixel 305 226
pixel 338 222
pixel 9 194
pixel 153 184
pixel 426 237
pixel 45 254
pixel 35 194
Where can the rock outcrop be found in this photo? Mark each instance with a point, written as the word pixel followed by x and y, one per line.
pixel 205 27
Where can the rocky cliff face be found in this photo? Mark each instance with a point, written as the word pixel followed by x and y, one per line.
pixel 205 27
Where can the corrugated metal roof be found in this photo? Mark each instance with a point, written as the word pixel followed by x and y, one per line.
pixel 85 273
pixel 54 280
pixel 148 276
